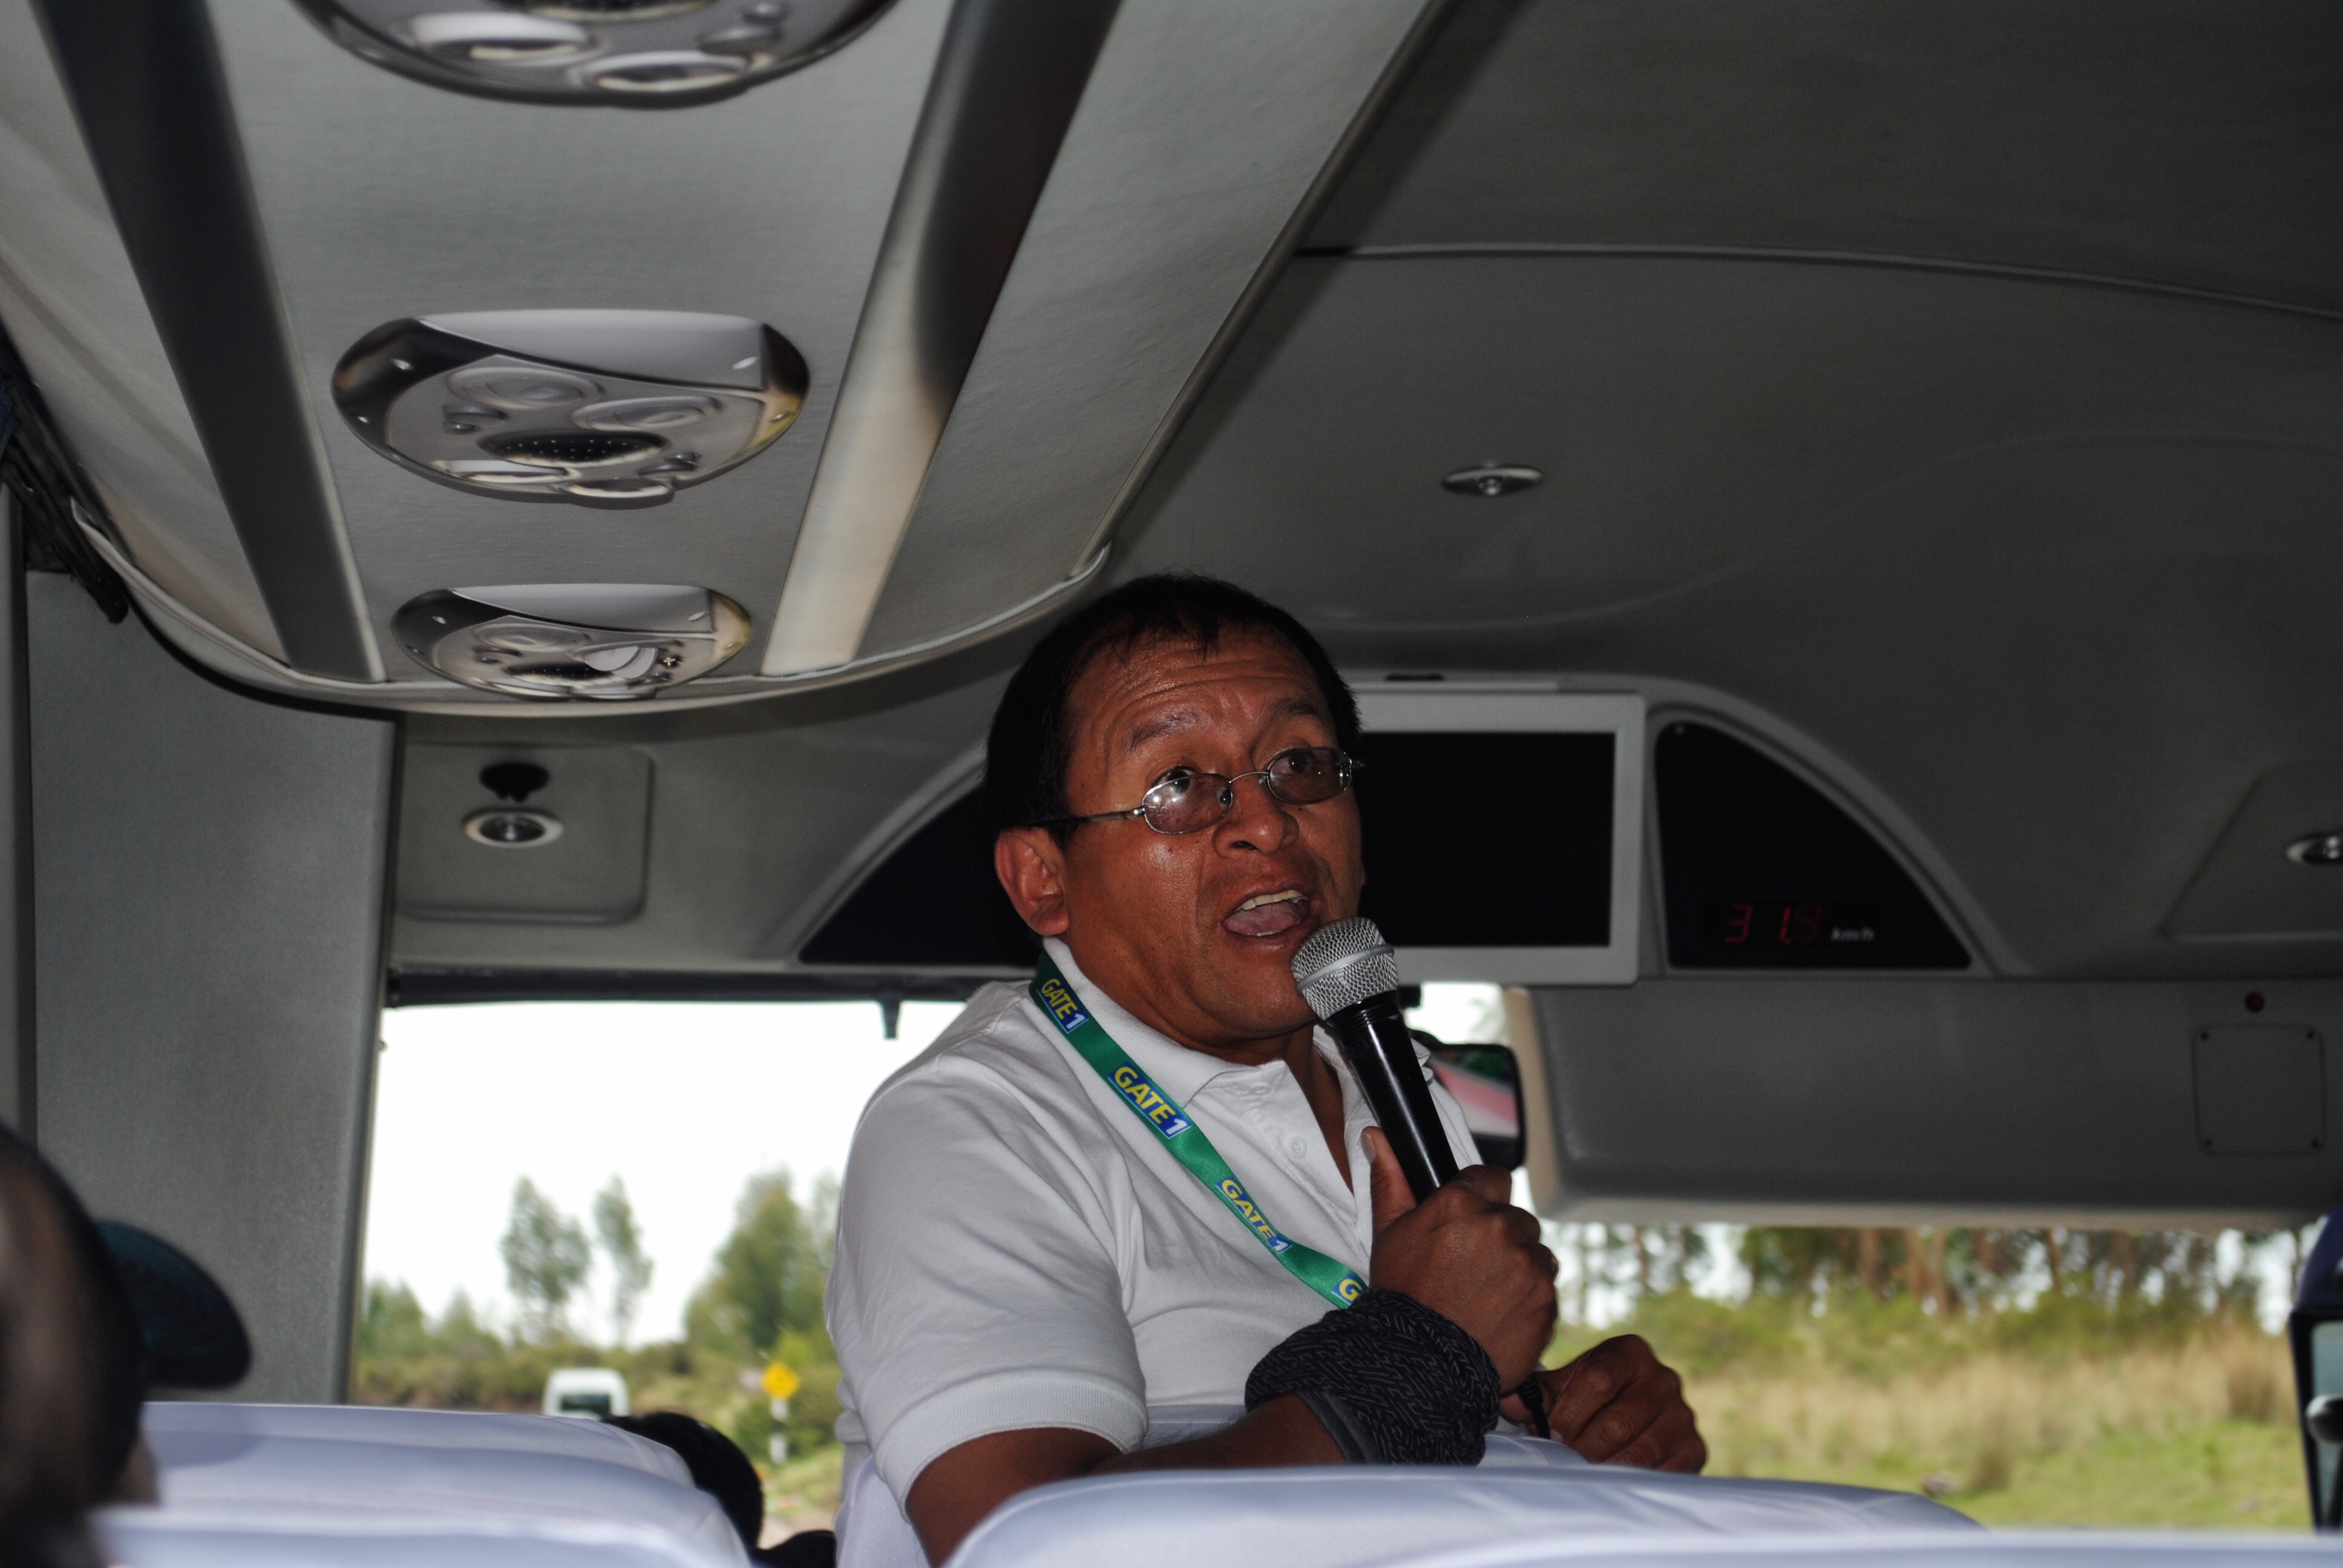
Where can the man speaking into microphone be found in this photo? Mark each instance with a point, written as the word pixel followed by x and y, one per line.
pixel 1149 1177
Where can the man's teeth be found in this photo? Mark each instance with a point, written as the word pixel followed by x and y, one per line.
pixel 1258 899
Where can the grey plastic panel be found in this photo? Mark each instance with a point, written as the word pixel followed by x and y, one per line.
pixel 2249 885
pixel 2044 565
pixel 209 876
pixel 1155 221
pixel 16 1058
pixel 592 874
pixel 2261 1090
pixel 2018 131
pixel 1911 1101
pixel 74 308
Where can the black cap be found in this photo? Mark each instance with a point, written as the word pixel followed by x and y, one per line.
pixel 194 1337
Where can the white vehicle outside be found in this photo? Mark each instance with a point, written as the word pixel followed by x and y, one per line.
pixel 590 1391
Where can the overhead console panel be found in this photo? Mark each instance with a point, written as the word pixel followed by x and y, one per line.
pixel 977 263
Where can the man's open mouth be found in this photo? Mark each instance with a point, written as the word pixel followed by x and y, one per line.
pixel 1268 914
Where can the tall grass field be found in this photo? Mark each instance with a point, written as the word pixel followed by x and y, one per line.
pixel 2060 1418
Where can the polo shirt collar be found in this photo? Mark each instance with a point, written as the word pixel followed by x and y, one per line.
pixel 1171 1067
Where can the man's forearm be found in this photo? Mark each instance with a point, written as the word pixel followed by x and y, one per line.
pixel 955 1492
pixel 1281 1431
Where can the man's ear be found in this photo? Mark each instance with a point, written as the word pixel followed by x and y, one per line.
pixel 1031 867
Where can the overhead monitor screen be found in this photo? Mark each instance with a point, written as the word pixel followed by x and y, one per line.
pixel 1488 840
pixel 1501 832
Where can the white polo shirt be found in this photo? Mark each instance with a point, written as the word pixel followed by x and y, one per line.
pixel 1016 1249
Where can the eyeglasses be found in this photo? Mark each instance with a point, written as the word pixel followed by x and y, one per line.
pixel 1187 802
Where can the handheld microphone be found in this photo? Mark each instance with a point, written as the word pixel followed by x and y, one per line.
pixel 1350 977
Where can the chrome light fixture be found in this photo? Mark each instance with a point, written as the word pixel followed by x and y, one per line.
pixel 1492 479
pixel 2317 849
pixel 510 828
pixel 607 641
pixel 642 51
pixel 596 408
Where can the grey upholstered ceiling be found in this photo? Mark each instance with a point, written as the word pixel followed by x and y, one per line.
pixel 1948 396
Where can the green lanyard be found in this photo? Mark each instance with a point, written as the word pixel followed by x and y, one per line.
pixel 1183 1136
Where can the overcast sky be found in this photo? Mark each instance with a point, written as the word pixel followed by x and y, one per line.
pixel 685 1101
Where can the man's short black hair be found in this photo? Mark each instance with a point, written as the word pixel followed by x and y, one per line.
pixel 1027 754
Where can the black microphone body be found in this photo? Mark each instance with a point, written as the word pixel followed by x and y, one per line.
pixel 1375 1041
pixel 1350 977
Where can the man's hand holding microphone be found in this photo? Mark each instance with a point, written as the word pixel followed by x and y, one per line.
pixel 1468 1254
pixel 1453 1242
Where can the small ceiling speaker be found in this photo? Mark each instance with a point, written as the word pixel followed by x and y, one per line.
pixel 594 407
pixel 648 53
pixel 609 641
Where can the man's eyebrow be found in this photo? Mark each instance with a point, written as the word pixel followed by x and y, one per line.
pixel 1147 729
pixel 1297 708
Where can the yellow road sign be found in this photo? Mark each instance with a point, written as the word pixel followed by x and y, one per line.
pixel 779 1382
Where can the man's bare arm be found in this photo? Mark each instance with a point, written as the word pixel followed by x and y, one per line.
pixel 955 1492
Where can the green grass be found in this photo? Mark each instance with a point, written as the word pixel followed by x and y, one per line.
pixel 2074 1417
pixel 2230 1476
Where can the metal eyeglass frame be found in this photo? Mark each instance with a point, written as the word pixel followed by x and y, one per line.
pixel 1346 768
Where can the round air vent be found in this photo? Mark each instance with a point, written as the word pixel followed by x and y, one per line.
pixel 642 52
pixel 596 408
pixel 609 641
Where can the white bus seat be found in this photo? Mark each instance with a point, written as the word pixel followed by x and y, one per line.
pixel 161 1538
pixel 1981 1549
pixel 1366 1515
pixel 174 1419
pixel 1519 1477
pixel 226 1463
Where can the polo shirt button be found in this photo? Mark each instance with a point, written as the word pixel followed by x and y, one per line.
pixel 1297 1147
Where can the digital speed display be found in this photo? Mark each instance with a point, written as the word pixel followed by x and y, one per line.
pixel 1746 924
pixel 1762 870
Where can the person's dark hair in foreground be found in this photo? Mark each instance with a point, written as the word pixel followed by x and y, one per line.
pixel 92 1314
pixel 720 1469
pixel 72 1367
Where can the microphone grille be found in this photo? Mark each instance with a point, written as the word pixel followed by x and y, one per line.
pixel 1343 964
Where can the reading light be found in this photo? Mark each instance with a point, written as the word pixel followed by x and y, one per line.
pixel 1492 479
pixel 594 407
pixel 2317 849
pixel 505 828
pixel 648 52
pixel 607 641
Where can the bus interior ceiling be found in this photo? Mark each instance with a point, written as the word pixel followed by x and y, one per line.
pixel 1938 403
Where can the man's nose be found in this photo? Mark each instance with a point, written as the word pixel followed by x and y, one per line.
pixel 1257 819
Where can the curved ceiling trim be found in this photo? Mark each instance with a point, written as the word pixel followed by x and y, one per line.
pixel 1007 81
pixel 951 784
pixel 227 655
pixel 147 86
pixel 1286 248
pixel 1886 260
